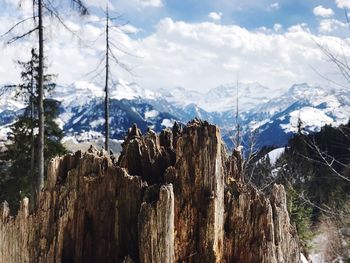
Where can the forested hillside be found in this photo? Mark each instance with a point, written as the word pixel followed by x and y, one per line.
pixel 315 169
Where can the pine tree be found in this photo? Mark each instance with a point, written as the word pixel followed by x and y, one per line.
pixel 262 173
pixel 300 214
pixel 22 160
pixel 40 7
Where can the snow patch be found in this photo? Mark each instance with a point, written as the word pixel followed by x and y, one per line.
pixel 82 137
pixel 97 122
pixel 312 119
pixel 256 124
pixel 59 122
pixel 151 114
pixel 65 117
pixel 275 154
pixel 4 132
pixel 77 119
pixel 167 123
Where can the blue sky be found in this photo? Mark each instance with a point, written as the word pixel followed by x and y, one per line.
pixel 198 45
pixel 249 14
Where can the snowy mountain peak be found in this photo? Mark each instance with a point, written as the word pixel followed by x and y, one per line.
pixel 129 91
pixel 220 99
pixel 82 92
pixel 315 106
pixel 308 92
pixel 224 97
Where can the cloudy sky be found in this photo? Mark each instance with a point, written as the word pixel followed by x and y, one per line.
pixel 196 44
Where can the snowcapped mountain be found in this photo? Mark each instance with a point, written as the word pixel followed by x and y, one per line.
pixel 8 100
pixel 315 106
pixel 225 96
pixel 180 96
pixel 123 113
pixel 275 118
pixel 222 98
pixel 82 92
pixel 82 111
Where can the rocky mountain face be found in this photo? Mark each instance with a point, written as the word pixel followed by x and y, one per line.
pixel 172 197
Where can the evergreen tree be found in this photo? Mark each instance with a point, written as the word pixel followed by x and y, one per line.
pixel 262 173
pixel 40 7
pixel 314 169
pixel 21 157
pixel 300 213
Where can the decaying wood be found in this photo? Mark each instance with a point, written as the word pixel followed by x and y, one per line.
pixel 172 197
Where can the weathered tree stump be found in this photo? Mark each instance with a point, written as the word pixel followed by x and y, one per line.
pixel 172 197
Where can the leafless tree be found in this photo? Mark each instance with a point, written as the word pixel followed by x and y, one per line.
pixel 244 145
pixel 110 59
pixel 237 138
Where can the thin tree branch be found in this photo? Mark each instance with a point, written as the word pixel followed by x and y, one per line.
pixel 120 64
pixel 96 69
pixel 326 162
pixel 123 51
pixel 327 79
pixel 16 25
pixel 55 14
pixel 79 5
pixel 14 39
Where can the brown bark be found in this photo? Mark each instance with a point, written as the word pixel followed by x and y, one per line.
pixel 173 197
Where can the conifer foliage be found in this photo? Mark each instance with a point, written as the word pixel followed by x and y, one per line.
pixel 21 153
pixel 315 170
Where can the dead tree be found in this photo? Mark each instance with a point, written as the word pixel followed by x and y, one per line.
pixel 244 145
pixel 106 83
pixel 40 7
pixel 237 137
pixel 108 60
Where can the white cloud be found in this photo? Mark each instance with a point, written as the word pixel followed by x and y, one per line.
pixel 322 11
pixel 274 6
pixel 151 3
pixel 204 55
pixel 277 27
pixel 215 16
pixel 330 25
pixel 193 55
pixel 343 3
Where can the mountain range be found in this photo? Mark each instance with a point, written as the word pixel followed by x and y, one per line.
pixel 275 118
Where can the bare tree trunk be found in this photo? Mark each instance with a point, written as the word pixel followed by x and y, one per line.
pixel 40 178
pixel 106 84
pixel 237 137
pixel 32 150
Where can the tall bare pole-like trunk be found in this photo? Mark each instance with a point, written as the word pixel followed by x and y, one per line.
pixel 32 150
pixel 40 178
pixel 237 139
pixel 106 84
